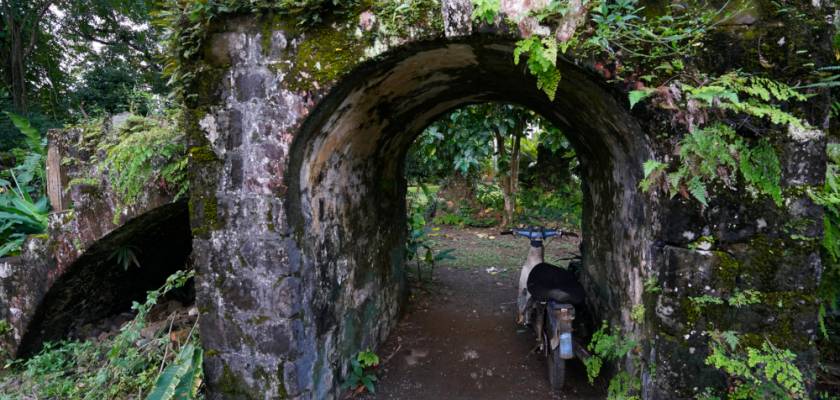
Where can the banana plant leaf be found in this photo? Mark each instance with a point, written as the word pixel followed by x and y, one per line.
pixel 180 380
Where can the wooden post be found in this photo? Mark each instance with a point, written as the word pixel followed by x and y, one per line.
pixel 56 180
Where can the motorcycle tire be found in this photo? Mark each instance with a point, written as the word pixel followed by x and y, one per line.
pixel 556 368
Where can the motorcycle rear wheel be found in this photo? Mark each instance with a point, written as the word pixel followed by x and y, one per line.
pixel 556 366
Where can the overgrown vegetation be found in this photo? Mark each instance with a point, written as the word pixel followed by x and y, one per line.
pixel 608 345
pixel 140 154
pixel 509 164
pixel 361 377
pixel 23 204
pixel 755 372
pixel 646 53
pixel 716 154
pixel 149 151
pixel 130 365
pixel 418 247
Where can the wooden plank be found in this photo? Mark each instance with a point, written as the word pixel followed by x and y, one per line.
pixel 55 188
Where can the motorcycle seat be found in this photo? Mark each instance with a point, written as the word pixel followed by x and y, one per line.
pixel 549 282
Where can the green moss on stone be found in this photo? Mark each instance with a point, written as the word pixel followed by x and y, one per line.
pixel 230 384
pixel 325 54
pixel 282 393
pixel 269 217
pixel 727 271
pixel 202 154
pixel 209 214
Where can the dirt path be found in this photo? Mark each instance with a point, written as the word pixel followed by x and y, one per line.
pixel 458 340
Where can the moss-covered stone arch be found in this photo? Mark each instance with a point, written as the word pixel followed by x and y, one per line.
pixel 298 140
pixel 345 201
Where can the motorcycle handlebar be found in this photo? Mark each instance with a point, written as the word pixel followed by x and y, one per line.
pixel 534 233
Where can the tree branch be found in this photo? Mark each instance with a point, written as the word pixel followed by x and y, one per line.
pixel 35 23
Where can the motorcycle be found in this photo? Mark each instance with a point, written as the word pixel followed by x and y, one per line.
pixel 546 301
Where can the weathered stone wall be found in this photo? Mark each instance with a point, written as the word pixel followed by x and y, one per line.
pixel 299 137
pixel 69 276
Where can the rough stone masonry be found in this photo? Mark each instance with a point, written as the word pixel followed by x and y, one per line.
pixel 298 138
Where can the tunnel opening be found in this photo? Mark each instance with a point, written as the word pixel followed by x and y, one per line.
pixel 116 271
pixel 471 176
pixel 346 187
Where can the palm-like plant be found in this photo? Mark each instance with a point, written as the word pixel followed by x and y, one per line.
pixel 20 215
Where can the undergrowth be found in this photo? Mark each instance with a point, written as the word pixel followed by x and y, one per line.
pixel 762 372
pixel 129 366
pixel 143 153
pixel 23 204
pixel 150 151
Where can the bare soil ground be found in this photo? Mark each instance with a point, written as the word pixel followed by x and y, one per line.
pixel 458 339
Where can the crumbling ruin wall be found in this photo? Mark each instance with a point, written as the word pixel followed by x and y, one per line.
pixel 69 276
pixel 298 139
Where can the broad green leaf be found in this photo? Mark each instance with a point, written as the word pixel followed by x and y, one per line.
pixel 12 245
pixel 635 96
pixel 173 376
pixel 33 137
pixel 188 388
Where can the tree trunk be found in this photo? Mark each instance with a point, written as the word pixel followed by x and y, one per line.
pixel 17 74
pixel 509 177
pixel 502 178
pixel 19 46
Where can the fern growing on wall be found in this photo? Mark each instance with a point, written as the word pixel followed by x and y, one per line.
pixel 751 95
pixel 542 62
pixel 755 372
pixel 149 152
pixel 717 154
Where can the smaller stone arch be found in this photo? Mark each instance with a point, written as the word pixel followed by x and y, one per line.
pixel 70 276
pixel 95 286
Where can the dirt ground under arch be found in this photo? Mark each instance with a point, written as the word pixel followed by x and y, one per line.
pixel 458 340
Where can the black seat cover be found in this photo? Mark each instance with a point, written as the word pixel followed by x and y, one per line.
pixel 547 281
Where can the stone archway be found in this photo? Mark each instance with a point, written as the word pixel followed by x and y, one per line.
pixel 297 203
pixel 346 206
pixel 95 286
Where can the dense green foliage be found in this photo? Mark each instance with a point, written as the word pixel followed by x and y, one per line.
pixel 622 42
pixel 542 61
pixel 829 198
pixel 127 366
pixel 715 154
pixel 617 33
pixel 755 372
pixel 150 151
pixel 606 345
pixel 67 59
pixel 23 206
pixel 422 202
pixel 478 142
